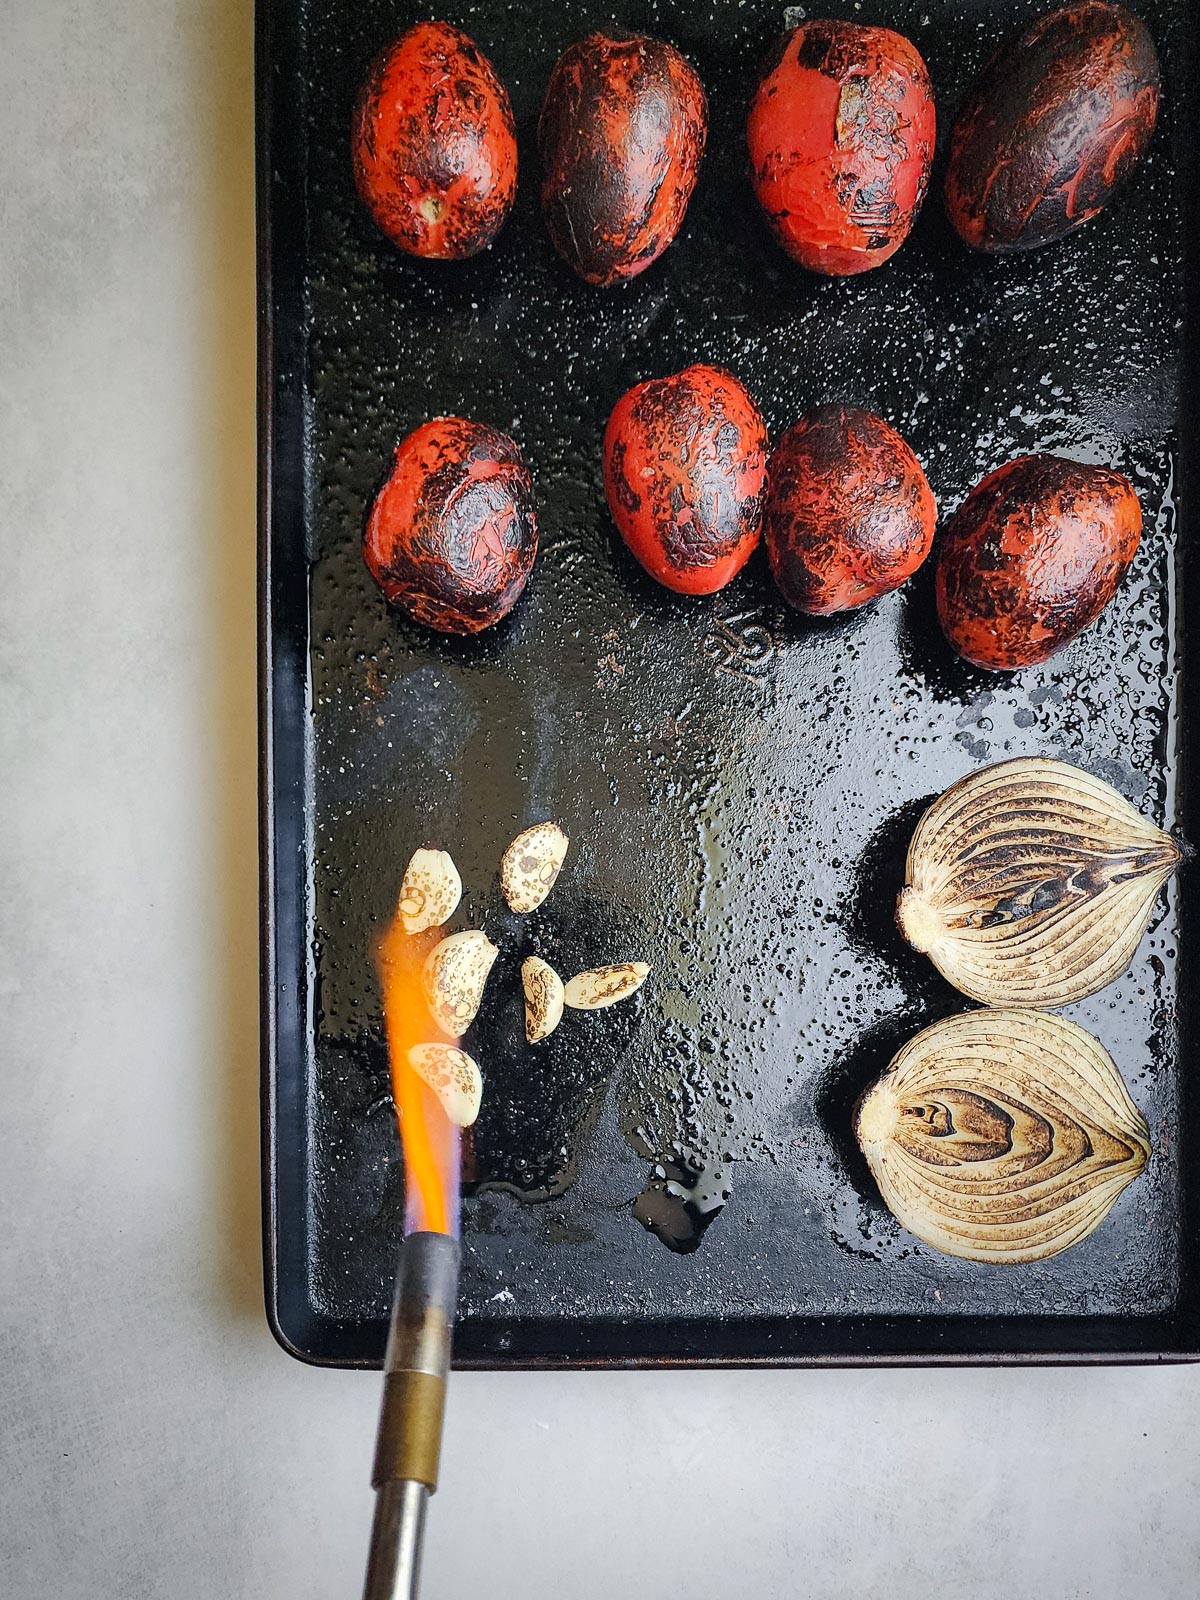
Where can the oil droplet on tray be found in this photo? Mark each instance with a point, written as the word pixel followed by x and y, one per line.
pixel 679 1203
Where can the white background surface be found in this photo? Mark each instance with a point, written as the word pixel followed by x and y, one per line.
pixel 155 1442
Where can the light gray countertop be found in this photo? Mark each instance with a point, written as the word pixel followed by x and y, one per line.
pixel 155 1441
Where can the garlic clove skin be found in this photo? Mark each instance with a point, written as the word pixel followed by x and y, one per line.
pixel 1031 882
pixel 454 975
pixel 543 998
pixel 453 1076
pixel 531 864
pixel 601 987
pixel 1002 1136
pixel 431 891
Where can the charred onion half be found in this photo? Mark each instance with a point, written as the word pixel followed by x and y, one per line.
pixel 1002 1136
pixel 1031 882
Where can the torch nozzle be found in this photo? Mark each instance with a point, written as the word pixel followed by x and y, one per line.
pixel 408 1445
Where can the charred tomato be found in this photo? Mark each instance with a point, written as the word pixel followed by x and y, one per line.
pixel 434 145
pixel 849 512
pixel 621 136
pixel 1055 123
pixel 840 135
pixel 1032 557
pixel 684 471
pixel 452 535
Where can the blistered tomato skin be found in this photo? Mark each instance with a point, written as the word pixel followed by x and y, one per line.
pixel 840 134
pixel 685 473
pixel 849 515
pixel 1053 126
pixel 434 145
pixel 452 535
pixel 1032 557
pixel 621 138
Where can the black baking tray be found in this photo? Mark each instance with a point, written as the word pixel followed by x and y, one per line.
pixel 739 783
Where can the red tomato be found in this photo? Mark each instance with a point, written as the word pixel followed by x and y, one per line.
pixel 849 515
pixel 841 133
pixel 434 145
pixel 621 137
pixel 684 471
pixel 1053 126
pixel 1032 557
pixel 452 535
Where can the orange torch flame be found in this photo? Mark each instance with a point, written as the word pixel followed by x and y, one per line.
pixel 431 1142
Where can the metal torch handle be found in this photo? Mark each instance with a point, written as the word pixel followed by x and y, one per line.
pixel 408 1446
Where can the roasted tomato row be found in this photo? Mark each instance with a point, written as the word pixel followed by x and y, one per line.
pixel 1029 560
pixel 840 135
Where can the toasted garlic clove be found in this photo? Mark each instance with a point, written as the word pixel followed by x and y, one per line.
pixel 543 998
pixel 531 864
pixel 455 973
pixel 1031 883
pixel 1001 1136
pixel 430 892
pixel 453 1076
pixel 604 986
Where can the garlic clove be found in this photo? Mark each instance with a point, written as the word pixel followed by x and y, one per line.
pixel 531 865
pixel 1031 883
pixel 430 892
pixel 604 986
pixel 453 1076
pixel 455 972
pixel 543 998
pixel 1001 1136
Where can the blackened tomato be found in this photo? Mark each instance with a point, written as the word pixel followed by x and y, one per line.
pixel 1055 123
pixel 621 137
pixel 684 471
pixel 840 134
pixel 849 514
pixel 1031 558
pixel 452 534
pixel 433 144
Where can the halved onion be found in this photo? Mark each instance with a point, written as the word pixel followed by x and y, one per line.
pixel 1001 1136
pixel 1031 882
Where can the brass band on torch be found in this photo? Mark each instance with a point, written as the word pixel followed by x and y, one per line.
pixel 408 1445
